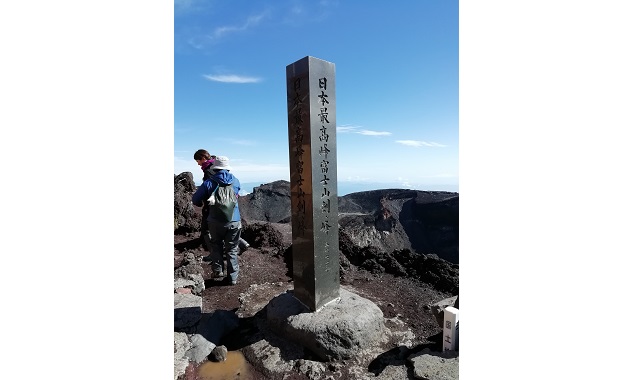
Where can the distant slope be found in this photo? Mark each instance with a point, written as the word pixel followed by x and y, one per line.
pixel 393 219
pixel 390 219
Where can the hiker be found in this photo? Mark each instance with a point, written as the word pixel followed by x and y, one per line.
pixel 224 234
pixel 204 160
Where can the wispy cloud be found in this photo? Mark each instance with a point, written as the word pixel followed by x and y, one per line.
pixel 418 144
pixel 366 132
pixel 183 7
pixel 361 131
pixel 183 4
pixel 345 129
pixel 232 79
pixel 251 21
pixel 202 40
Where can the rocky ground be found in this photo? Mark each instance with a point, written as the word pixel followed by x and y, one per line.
pixel 402 283
pixel 401 298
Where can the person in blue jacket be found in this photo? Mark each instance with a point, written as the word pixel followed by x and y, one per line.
pixel 205 160
pixel 224 236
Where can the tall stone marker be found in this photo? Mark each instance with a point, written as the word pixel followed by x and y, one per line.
pixel 311 105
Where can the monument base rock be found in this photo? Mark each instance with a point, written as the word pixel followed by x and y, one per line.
pixel 339 330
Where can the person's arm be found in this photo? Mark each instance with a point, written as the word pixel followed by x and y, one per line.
pixel 202 193
pixel 236 185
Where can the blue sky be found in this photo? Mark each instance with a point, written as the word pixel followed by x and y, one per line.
pixel 397 87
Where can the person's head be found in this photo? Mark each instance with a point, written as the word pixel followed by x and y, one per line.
pixel 202 156
pixel 221 162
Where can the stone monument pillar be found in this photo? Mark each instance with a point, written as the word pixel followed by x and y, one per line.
pixel 311 105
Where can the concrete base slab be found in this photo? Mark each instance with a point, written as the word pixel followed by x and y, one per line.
pixel 339 330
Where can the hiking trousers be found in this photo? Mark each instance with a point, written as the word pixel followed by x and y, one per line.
pixel 224 238
pixel 205 234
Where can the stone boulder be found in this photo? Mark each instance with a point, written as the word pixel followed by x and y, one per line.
pixel 187 310
pixel 189 275
pixel 182 344
pixel 339 330
pixel 187 216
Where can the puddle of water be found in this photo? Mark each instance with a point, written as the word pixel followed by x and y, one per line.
pixel 234 367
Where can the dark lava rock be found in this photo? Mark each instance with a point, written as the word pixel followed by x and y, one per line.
pixel 187 216
pixel 423 221
pixel 264 235
pixel 269 202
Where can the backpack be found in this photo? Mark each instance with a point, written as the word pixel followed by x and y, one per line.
pixel 222 202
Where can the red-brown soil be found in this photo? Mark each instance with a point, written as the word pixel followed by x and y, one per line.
pixel 406 298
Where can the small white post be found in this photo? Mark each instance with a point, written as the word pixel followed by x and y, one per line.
pixel 450 331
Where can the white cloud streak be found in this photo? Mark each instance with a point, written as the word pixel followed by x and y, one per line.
pixel 345 129
pixel 418 144
pixel 183 4
pixel 366 132
pixel 361 131
pixel 232 79
pixel 214 37
pixel 251 21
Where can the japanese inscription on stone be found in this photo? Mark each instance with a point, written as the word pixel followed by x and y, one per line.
pixel 313 165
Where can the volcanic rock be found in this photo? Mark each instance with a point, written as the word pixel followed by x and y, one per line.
pixel 187 216
pixel 398 249
pixel 270 202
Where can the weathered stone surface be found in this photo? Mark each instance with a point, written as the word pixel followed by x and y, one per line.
pixel 193 281
pixel 182 344
pixel 431 365
pixel 274 356
pixel 339 330
pixel 200 348
pixel 187 217
pixel 257 297
pixel 310 368
pixel 187 310
pixel 189 268
pixel 219 353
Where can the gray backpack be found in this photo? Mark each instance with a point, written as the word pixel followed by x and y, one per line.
pixel 222 203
